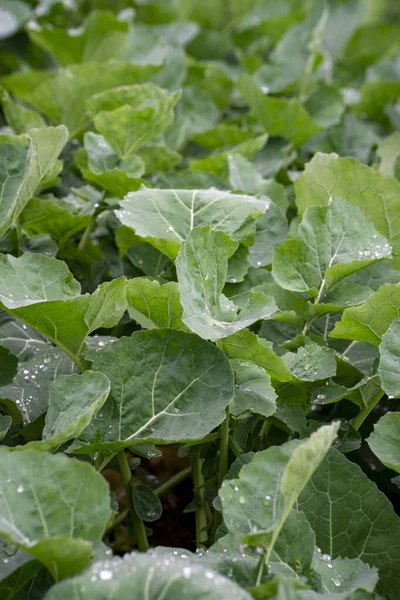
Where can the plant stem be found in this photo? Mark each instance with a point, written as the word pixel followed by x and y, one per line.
pixel 224 449
pixel 138 525
pixel 266 426
pixel 201 516
pixel 364 412
pixel 86 233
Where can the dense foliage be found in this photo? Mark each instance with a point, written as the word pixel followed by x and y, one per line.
pixel 200 299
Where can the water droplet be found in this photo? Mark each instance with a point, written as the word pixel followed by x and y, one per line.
pixel 232 280
pixel 170 228
pixel 336 582
pixel 105 575
pixel 259 263
pixel 187 571
pixel 20 489
pixel 321 397
pixel 241 500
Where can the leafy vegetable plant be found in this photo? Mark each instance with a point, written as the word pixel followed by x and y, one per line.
pixel 199 299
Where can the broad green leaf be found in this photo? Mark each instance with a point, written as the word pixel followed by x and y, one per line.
pixel 369 321
pixel 50 505
pixel 25 163
pixel 311 362
pixel 8 366
pixel 334 500
pixel 153 305
pixel 101 37
pixel 13 14
pixel 257 504
pixel 39 364
pixel 45 216
pixel 281 117
pixel 377 195
pixel 149 260
pixel 375 96
pixel 388 369
pixel 202 267
pixel 61 96
pixel 170 215
pixel 42 292
pixel 326 106
pixel 147 504
pixel 149 401
pixel 130 116
pixel 171 574
pixel 253 390
pixel 21 119
pixel 384 441
pixel 34 278
pixel 73 402
pixel 245 345
pixel 332 243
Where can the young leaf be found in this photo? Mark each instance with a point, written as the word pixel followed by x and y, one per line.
pixel 5 424
pixel 253 390
pixel 170 215
pixel 332 243
pixel 147 504
pixel 375 194
pixel 257 504
pixel 166 386
pixel 202 268
pixel 384 441
pixel 50 505
pixel 368 322
pixel 29 159
pixel 311 362
pixel 154 305
pixel 73 402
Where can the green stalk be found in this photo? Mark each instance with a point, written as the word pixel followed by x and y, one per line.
pixel 224 449
pixel 138 525
pixel 364 412
pixel 86 234
pixel 201 516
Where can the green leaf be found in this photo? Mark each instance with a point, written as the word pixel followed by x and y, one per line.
pixel 25 163
pixel 21 119
pixel 377 195
pixel 14 14
pixel 311 362
pixel 147 575
pixel 333 500
pixel 73 402
pixel 39 364
pixel 5 424
pixel 61 96
pixel 279 116
pixel 101 37
pixel 202 267
pixel 8 366
pixel 332 243
pixel 384 441
pixel 46 511
pixel 45 216
pixel 130 116
pixel 290 57
pixel 253 390
pixel 245 345
pixel 257 504
pixel 389 152
pixel 153 305
pixel 369 321
pixel 147 504
pixel 170 215
pixel 148 401
pixel 344 575
pixel 388 369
